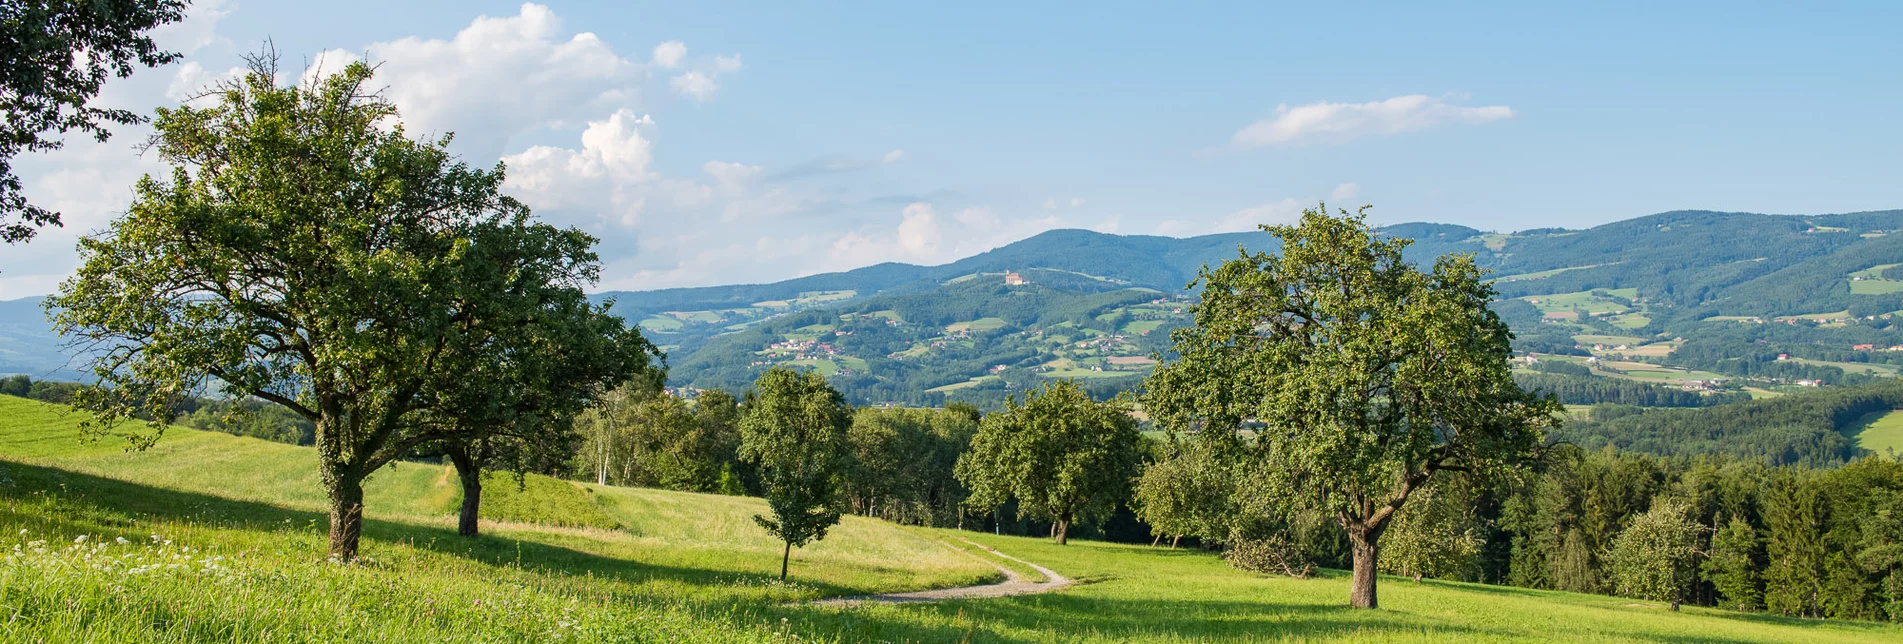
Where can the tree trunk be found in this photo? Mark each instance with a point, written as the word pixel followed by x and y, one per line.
pixel 470 472
pixel 1063 531
pixel 346 516
pixel 785 556
pixel 1174 540
pixel 1367 554
pixel 1157 540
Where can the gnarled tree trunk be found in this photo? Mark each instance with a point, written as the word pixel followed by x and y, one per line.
pixel 1367 552
pixel 470 471
pixel 1063 530
pixel 346 515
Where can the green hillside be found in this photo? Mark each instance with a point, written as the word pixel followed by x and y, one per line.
pixel 1699 300
pixel 209 537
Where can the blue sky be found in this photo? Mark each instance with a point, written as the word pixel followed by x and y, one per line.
pixel 710 143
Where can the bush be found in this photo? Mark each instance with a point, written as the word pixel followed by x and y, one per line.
pixel 1275 554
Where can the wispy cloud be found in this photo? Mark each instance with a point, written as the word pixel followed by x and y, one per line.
pixel 1327 122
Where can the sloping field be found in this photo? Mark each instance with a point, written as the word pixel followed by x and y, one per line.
pixel 214 538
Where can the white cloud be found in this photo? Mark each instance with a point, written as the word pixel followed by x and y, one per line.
pixel 670 54
pixel 1345 192
pixel 695 84
pixel 1327 122
pixel 894 156
pixel 499 78
pixel 700 84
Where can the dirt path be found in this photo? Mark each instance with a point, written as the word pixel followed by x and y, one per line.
pixel 1013 584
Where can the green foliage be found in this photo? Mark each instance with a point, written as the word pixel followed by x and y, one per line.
pixel 1190 490
pixel 1436 535
pixel 58 54
pixel 1367 375
pixel 1061 455
pixel 1736 557
pixel 1591 390
pixel 794 430
pixel 305 251
pixel 639 435
pixel 1804 429
pixel 1656 556
pixel 903 464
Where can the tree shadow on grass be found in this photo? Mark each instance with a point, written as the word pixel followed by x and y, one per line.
pixel 1039 618
pixel 93 504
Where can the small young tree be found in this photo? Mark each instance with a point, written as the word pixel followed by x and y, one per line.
pixel 794 431
pixel 1062 455
pixel 1736 554
pixel 1367 375
pixel 1656 556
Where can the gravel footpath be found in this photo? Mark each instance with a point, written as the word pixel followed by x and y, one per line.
pixel 1013 584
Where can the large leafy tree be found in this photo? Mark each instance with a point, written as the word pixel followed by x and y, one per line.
pixel 1365 374
pixel 794 430
pixel 55 55
pixel 1063 456
pixel 304 250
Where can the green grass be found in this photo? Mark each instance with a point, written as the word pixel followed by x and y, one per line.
pixel 1631 321
pixel 1875 287
pixel 222 543
pixel 242 519
pixel 1139 326
pixel 1879 432
pixel 1866 368
pixel 1143 594
pixel 531 499
pixel 1835 315
pixel 980 324
pixel 1543 274
pixel 1586 300
pixel 824 366
pixel 1613 340
pixel 661 324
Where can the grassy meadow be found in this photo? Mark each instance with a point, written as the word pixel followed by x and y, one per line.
pixel 1880 432
pixel 209 537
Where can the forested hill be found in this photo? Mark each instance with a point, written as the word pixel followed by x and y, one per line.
pixel 1720 305
pixel 1145 261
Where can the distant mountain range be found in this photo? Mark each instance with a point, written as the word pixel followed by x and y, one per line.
pixel 1674 298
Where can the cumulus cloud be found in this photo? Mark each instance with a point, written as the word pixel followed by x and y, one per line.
pixel 893 157
pixel 1327 122
pixel 500 77
pixel 695 84
pixel 700 84
pixel 670 54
